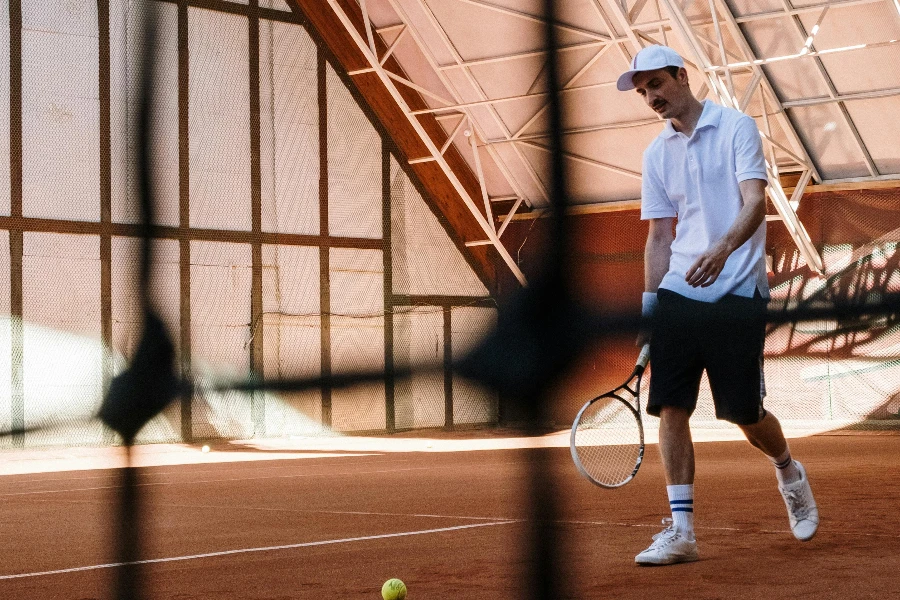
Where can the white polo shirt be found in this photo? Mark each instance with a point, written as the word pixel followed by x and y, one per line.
pixel 696 180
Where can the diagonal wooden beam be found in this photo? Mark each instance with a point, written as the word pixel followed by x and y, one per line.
pixel 330 34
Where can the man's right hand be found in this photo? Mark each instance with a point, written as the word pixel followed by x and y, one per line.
pixel 642 338
pixel 648 307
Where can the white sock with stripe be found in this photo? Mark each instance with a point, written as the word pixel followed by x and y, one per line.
pixel 785 468
pixel 681 501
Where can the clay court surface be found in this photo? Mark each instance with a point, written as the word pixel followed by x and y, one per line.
pixel 335 518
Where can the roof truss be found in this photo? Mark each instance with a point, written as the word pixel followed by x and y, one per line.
pixel 498 121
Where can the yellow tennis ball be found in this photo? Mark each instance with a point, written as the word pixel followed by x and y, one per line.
pixel 393 589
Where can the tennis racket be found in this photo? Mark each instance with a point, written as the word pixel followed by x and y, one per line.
pixel 607 440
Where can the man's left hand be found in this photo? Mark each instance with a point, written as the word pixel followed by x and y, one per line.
pixel 706 270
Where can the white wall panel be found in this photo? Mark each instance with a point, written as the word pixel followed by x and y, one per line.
pixel 220 330
pixel 291 280
pixel 127 316
pixel 276 4
pixel 472 403
pixel 5 337
pixel 419 400
pixel 357 344
pixel 126 55
pixel 60 111
pixel 66 17
pixel 292 348
pixel 220 300
pixel 61 310
pixel 354 166
pixel 219 120
pixel 425 259
pixel 357 335
pixel 357 282
pixel 291 333
pixel 289 129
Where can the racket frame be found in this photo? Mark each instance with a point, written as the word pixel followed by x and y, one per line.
pixel 635 409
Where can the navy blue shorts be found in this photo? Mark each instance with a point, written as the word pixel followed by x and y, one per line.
pixel 725 338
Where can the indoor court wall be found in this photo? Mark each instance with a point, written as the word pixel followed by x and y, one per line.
pixel 818 376
pixel 292 239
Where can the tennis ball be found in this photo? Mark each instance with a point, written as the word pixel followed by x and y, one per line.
pixel 204 449
pixel 393 589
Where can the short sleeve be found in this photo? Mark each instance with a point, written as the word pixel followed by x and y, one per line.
pixel 655 202
pixel 749 160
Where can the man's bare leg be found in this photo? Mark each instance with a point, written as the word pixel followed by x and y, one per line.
pixel 769 438
pixel 675 544
pixel 677 449
pixel 676 445
pixel 766 435
pixel 802 511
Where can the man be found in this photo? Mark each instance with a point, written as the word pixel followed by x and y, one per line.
pixel 706 289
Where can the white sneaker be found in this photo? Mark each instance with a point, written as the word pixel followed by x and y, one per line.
pixel 801 506
pixel 669 546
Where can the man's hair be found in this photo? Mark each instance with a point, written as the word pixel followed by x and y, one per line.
pixel 673 71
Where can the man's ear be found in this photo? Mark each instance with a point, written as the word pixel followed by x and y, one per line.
pixel 683 76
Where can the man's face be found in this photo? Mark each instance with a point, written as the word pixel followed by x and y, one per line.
pixel 663 93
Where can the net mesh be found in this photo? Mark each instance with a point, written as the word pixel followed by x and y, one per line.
pixel 843 372
pixel 274 257
pixel 297 243
pixel 819 375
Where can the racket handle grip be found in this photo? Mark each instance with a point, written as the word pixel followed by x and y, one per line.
pixel 643 358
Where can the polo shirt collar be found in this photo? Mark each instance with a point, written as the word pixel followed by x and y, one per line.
pixel 710 117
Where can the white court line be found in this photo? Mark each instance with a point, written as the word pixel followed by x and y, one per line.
pixel 262 549
pixel 737 529
pixel 341 512
pixel 114 474
pixel 318 512
pixel 504 519
pixel 237 479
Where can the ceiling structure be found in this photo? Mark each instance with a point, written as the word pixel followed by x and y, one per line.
pixel 820 78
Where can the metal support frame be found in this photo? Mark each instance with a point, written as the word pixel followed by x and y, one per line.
pixel 596 39
pixel 484 101
pixel 724 89
pixel 725 93
pixel 538 19
pixel 829 84
pixel 842 98
pixel 737 80
pixel 368 48
pixel 477 89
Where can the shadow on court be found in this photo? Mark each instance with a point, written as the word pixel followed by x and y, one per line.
pixel 453 521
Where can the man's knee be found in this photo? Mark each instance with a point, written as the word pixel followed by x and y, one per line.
pixel 765 421
pixel 674 414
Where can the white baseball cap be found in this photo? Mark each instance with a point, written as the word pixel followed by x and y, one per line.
pixel 649 59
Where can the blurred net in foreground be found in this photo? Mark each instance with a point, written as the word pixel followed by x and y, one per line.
pixel 819 375
pixel 234 316
pixel 326 256
pixel 293 239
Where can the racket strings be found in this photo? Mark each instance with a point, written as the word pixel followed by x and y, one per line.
pixel 608 441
